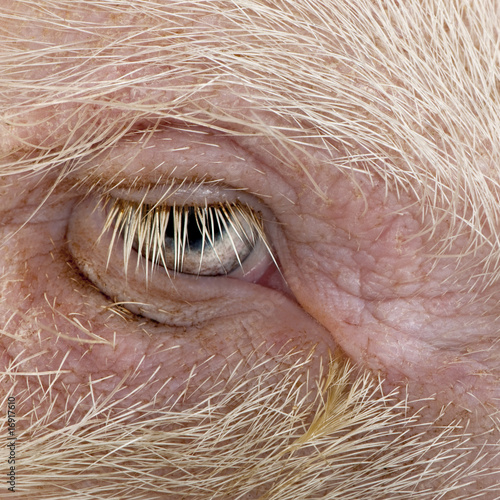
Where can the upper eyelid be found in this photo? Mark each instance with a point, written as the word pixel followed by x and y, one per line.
pixel 177 191
pixel 144 164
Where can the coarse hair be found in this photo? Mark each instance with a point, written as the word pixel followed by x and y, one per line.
pixel 404 91
pixel 274 434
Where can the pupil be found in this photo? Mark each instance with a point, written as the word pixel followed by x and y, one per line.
pixel 194 235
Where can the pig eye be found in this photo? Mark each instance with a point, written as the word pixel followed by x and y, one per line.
pixel 171 260
pixel 209 240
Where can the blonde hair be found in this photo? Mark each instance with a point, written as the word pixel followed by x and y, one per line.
pixel 406 91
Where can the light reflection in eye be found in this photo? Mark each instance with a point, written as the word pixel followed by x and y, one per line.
pixel 208 240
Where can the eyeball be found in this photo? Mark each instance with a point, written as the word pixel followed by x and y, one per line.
pixel 210 240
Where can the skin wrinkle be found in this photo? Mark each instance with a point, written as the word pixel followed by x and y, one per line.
pixel 368 131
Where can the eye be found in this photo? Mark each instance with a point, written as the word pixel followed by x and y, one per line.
pixel 209 240
pixel 168 259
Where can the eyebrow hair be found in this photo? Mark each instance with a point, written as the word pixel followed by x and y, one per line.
pixel 409 92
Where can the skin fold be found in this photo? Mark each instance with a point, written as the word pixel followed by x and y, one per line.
pixel 355 353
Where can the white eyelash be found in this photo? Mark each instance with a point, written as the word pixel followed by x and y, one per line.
pixel 143 228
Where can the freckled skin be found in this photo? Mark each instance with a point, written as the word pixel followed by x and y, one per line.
pixel 366 274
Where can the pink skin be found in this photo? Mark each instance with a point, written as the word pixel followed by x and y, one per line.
pixel 230 318
pixel 360 271
pixel 364 288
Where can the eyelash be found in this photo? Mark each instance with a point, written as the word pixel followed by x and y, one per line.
pixel 143 228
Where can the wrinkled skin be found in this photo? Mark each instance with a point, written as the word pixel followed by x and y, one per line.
pixel 386 252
